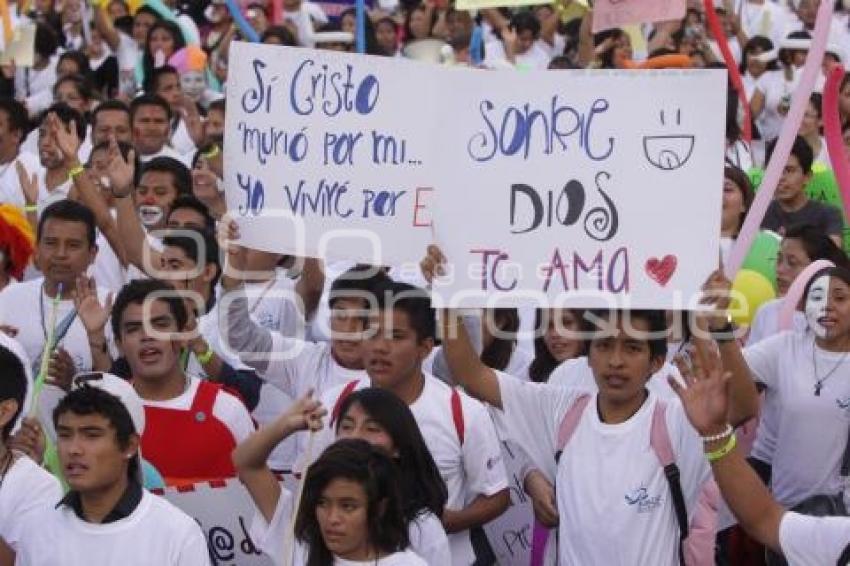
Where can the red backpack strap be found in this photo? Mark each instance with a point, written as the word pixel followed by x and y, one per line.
pixel 570 422
pixel 346 391
pixel 659 440
pixel 457 415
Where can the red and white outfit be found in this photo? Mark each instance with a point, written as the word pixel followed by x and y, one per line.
pixel 190 438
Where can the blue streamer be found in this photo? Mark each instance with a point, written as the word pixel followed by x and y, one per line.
pixel 249 33
pixel 475 44
pixel 360 37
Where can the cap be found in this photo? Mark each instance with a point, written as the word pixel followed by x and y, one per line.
pixel 119 388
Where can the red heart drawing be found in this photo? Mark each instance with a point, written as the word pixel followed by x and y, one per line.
pixel 661 270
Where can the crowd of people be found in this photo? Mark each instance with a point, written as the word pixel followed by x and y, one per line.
pixel 142 347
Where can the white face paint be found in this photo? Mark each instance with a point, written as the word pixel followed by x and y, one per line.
pixel 193 84
pixel 816 302
pixel 150 215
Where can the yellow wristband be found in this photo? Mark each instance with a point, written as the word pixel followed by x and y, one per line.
pixel 214 150
pixel 206 357
pixel 726 449
pixel 73 173
pixel 31 208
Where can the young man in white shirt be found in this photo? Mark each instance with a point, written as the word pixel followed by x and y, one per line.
pixel 150 116
pixel 193 425
pixel 54 181
pixel 65 248
pixel 608 477
pixel 803 540
pixel 13 127
pixel 107 517
pixel 25 487
pixel 457 429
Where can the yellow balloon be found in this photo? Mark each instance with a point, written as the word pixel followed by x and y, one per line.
pixel 135 5
pixel 750 290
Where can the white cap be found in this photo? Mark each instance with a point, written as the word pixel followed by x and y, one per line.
pixel 119 388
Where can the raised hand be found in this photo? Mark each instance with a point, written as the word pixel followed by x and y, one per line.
pixel 29 183
pixel 29 439
pixel 304 414
pixel 121 171
pixel 92 314
pixel 433 264
pixel 705 396
pixel 65 135
pixel 61 369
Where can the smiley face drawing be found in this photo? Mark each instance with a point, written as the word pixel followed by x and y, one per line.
pixel 669 152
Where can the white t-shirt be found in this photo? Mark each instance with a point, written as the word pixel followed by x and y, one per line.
pixel 27 488
pixel 10 185
pixel 46 196
pixel 227 409
pixel 19 307
pixel 810 428
pixel 777 91
pixel 469 470
pixel 768 20
pixel 427 539
pixel 182 142
pixel 610 485
pixel 36 86
pixel 156 532
pixel 766 324
pixel 167 151
pixel 271 307
pixel 813 541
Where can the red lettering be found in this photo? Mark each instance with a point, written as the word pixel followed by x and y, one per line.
pixel 417 206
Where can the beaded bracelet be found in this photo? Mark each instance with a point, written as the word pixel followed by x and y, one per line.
pixel 726 449
pixel 726 433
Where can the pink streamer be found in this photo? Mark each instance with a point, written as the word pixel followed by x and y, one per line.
pixel 277 12
pixel 832 134
pixel 795 292
pixel 538 543
pixel 783 146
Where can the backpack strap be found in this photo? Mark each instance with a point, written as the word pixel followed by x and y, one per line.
pixel 457 415
pixel 570 422
pixel 346 391
pixel 844 559
pixel 659 440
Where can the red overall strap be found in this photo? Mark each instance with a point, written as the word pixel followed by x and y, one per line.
pixel 457 415
pixel 189 446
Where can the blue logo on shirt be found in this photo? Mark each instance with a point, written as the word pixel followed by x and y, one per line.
pixel 642 501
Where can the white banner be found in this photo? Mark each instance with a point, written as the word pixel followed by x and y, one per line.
pixel 590 188
pixel 510 535
pixel 224 510
pixel 562 188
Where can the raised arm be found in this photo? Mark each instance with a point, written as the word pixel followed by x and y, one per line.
pixel 705 399
pixel 251 455
pixel 466 367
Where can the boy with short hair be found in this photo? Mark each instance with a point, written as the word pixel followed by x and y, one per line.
pixel 791 205
pixel 107 517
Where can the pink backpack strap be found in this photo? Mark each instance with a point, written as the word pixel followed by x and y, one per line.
pixel 659 436
pixel 346 391
pixel 570 422
pixel 457 415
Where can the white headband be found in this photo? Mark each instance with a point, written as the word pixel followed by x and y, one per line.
pixel 766 57
pixel 796 44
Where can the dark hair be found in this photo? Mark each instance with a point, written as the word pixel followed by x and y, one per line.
pixel 817 244
pixel 88 400
pixel 606 59
pixel 16 114
pixel 408 35
pixel 369 466
pixel 422 486
pixel 13 386
pixel 359 282
pixel 760 42
pixel 800 149
pixel 497 354
pixel 219 105
pixel 372 47
pixel 80 59
pixel 152 80
pixel 544 363
pixel 137 291
pixel 46 41
pixel 176 35
pixel 189 245
pixel 655 319
pixel 80 82
pixel 70 211
pixel 180 174
pixel 282 33
pixel 816 100
pixel 840 271
pixel 192 202
pixel 107 105
pixel 149 99
pixel 66 115
pixel 412 300
pixel 560 62
pixel 742 181
pixel 525 21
